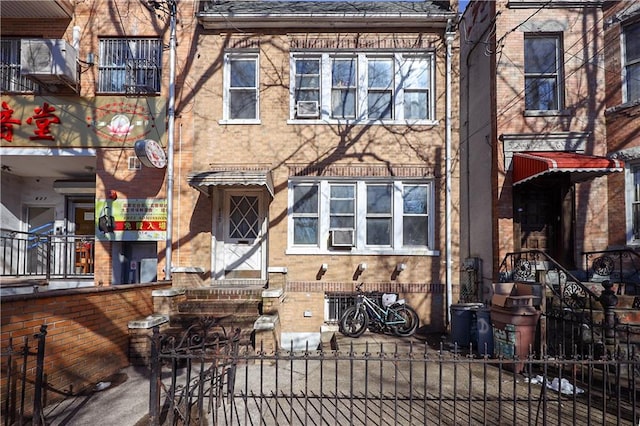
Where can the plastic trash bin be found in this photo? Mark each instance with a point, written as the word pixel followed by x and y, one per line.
pixel 462 315
pixel 484 330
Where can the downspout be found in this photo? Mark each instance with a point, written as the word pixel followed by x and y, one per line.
pixel 170 141
pixel 449 36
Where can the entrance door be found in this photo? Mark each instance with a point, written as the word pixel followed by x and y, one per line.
pixel 535 215
pixel 243 222
pixel 40 222
pixel 544 218
pixel 83 218
pixel 82 225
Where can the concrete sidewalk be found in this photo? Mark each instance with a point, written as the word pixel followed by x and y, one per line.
pixel 120 400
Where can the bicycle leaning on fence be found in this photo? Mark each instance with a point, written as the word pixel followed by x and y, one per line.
pixel 384 314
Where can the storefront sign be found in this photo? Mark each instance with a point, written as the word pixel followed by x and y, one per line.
pixel 133 219
pixel 87 122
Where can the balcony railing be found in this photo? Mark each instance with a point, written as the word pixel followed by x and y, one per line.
pixel 37 255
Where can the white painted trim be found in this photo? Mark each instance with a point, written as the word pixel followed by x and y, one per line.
pixel 629 189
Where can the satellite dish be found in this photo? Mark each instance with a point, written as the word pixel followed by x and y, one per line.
pixel 150 153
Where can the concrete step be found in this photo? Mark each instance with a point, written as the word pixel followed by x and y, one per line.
pixel 226 292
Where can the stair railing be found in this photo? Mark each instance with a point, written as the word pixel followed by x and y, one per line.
pixel 570 305
pixel 620 265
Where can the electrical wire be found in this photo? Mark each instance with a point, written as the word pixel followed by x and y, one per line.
pixel 517 98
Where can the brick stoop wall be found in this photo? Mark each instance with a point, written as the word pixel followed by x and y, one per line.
pixel 234 304
pixel 87 332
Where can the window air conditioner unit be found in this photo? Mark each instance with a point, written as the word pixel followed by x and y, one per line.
pixel 48 61
pixel 342 237
pixel 307 109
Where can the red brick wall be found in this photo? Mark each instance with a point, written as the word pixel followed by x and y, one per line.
pixel 623 131
pixel 87 332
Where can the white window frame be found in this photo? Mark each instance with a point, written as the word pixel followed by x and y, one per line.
pixel 368 215
pixel 226 97
pixel 302 215
pixel 12 80
pixel 400 59
pixel 626 63
pixel 140 61
pixel 304 93
pixel 632 196
pixel 556 74
pixel 360 247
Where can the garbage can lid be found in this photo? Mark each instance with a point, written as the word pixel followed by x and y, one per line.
pixel 466 306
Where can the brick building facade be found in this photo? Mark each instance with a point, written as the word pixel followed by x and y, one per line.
pixel 314 146
pixel 534 145
pixel 621 22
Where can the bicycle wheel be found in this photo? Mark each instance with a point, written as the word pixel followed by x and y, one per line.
pixel 409 317
pixel 354 321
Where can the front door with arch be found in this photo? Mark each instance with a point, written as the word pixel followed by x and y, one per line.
pixel 242 255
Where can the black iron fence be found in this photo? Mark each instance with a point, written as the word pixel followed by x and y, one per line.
pixel 23 381
pixel 28 254
pixel 400 384
pixel 207 357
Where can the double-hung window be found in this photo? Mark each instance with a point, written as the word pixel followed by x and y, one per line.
pixel 343 87
pixel 380 75
pixel 633 203
pixel 130 65
pixel 417 81
pixel 342 206
pixel 10 78
pixel 631 37
pixel 379 214
pixel 360 216
pixel 305 215
pixel 415 215
pixel 307 87
pixel 386 87
pixel 241 87
pixel 543 72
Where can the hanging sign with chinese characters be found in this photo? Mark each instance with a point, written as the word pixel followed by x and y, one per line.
pixel 131 220
pixel 86 122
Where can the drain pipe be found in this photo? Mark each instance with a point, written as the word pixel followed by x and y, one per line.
pixel 170 138
pixel 449 36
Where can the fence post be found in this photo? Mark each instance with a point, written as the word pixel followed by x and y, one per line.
pixel 49 246
pixel 154 380
pixel 609 300
pixel 37 396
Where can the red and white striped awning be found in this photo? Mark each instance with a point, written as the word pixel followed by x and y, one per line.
pixel 531 165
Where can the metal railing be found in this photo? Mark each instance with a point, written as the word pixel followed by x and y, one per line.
pixel 565 298
pixel 28 254
pixel 209 357
pixel 23 381
pixel 393 384
pixel 621 266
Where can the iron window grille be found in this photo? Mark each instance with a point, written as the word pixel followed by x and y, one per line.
pixel 131 66
pixel 10 78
